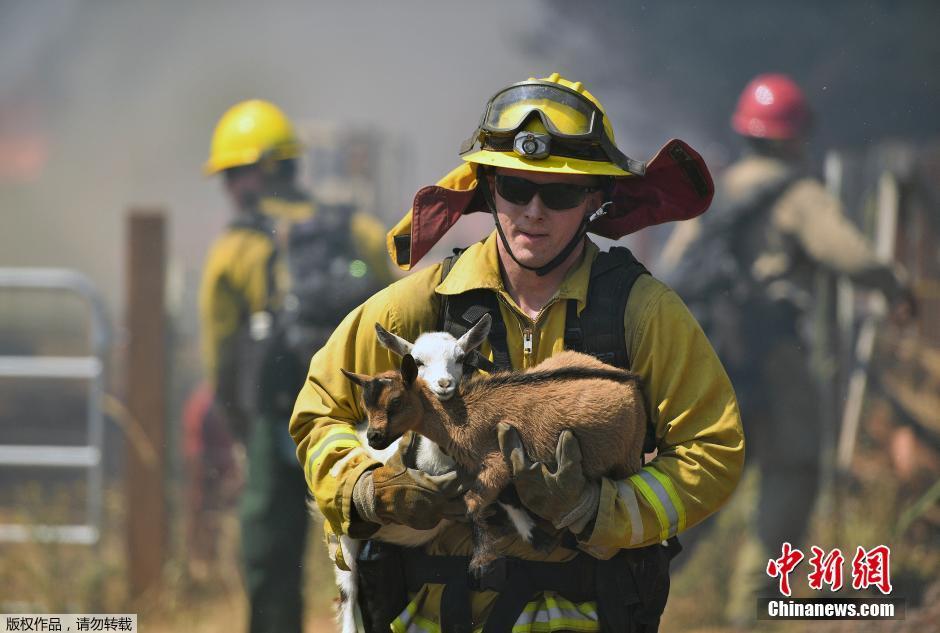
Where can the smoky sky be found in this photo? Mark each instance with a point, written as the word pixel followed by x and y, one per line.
pixel 869 69
pixel 107 104
pixel 119 98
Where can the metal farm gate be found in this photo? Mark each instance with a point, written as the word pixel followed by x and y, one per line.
pixel 85 455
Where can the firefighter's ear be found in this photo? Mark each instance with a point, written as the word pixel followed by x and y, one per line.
pixel 409 370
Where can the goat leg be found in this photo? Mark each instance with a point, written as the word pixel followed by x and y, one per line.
pixel 492 477
pixel 485 552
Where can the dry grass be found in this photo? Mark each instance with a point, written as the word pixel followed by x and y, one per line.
pixel 55 578
pixel 210 599
pixel 867 514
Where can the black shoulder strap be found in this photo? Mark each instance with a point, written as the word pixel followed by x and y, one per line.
pixel 598 330
pixel 461 312
pixel 730 218
pixel 252 222
pixel 261 224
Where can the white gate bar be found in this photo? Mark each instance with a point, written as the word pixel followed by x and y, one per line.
pixel 50 366
pixel 50 456
pixel 75 534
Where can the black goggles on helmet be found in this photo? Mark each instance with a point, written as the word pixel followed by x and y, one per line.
pixel 575 125
pixel 557 196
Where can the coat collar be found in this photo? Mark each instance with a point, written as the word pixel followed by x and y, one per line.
pixel 478 267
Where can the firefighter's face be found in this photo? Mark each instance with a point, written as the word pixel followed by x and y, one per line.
pixel 245 184
pixel 250 183
pixel 535 232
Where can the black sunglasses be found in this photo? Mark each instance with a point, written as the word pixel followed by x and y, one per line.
pixel 557 196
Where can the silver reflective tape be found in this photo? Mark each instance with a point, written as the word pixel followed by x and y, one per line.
pixel 671 513
pixel 555 615
pixel 628 495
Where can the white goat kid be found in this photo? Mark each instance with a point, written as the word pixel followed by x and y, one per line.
pixel 440 359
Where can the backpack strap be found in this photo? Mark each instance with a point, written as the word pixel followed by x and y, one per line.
pixel 261 224
pixel 598 330
pixel 461 312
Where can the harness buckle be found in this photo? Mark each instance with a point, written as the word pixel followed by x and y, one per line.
pixel 492 578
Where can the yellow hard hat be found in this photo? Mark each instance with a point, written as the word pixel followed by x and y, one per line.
pixel 249 131
pixel 549 124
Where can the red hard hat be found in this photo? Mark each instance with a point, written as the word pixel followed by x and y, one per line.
pixel 773 107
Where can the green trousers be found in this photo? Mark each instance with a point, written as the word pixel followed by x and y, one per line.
pixel 273 529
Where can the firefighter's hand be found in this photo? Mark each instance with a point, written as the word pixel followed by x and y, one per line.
pixel 394 493
pixel 563 496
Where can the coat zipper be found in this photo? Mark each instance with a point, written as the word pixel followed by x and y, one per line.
pixel 527 343
pixel 528 332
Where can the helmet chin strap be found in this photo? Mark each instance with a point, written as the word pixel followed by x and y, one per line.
pixel 541 271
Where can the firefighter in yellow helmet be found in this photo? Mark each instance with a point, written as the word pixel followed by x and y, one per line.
pixel 544 164
pixel 276 282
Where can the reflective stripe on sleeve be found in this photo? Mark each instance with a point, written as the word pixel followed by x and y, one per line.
pixel 653 486
pixel 628 496
pixel 673 496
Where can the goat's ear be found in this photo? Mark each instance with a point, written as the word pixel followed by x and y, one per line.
pixel 409 370
pixel 391 342
pixel 477 334
pixel 359 379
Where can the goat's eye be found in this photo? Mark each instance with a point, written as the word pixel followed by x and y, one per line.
pixel 394 405
pixel 419 363
pixel 459 356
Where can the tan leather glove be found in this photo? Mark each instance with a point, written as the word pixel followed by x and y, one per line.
pixel 395 493
pixel 562 496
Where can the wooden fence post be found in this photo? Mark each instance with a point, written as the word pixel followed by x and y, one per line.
pixel 145 366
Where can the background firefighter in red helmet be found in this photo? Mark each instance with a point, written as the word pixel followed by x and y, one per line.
pixel 747 271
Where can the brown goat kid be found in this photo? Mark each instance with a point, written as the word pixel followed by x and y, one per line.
pixel 602 405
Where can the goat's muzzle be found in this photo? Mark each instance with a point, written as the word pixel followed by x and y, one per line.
pixel 444 394
pixel 378 440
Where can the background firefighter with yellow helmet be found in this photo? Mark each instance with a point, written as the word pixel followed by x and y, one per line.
pixel 543 162
pixel 274 285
